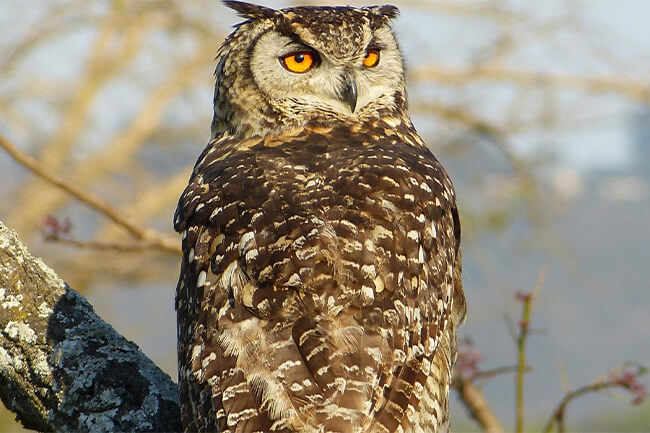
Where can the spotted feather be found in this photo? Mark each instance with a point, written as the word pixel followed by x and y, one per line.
pixel 320 281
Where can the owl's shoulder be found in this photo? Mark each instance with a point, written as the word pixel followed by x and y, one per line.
pixel 378 156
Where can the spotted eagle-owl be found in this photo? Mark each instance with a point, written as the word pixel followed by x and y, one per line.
pixel 320 282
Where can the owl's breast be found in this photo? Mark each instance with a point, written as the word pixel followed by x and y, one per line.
pixel 363 223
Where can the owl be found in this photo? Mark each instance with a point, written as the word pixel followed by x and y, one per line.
pixel 320 284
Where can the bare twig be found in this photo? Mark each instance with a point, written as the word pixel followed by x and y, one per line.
pixel 103 63
pixel 521 361
pixel 150 236
pixel 46 29
pixel 527 300
pixel 119 150
pixel 102 246
pixel 489 374
pixel 625 379
pixel 150 202
pixel 637 90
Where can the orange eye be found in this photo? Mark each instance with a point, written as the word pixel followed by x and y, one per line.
pixel 298 62
pixel 372 59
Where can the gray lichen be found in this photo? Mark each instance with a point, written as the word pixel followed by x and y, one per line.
pixel 19 331
pixel 62 368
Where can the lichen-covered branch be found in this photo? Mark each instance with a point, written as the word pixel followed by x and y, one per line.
pixel 62 368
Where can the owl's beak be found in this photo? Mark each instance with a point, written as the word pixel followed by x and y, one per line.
pixel 349 90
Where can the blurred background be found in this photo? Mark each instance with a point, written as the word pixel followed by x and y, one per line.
pixel 539 110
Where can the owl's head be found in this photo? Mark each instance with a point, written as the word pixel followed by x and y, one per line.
pixel 290 67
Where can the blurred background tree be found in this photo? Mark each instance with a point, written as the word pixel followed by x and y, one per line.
pixel 539 109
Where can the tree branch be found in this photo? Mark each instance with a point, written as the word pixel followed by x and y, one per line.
pixel 122 247
pixel 62 368
pixel 635 90
pixel 149 236
pixel 626 379
pixel 473 399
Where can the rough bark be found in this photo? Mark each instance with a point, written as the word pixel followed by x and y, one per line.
pixel 62 368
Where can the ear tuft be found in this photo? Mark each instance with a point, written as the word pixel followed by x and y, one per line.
pixel 250 11
pixel 388 12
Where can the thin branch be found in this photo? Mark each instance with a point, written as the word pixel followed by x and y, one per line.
pixel 150 236
pixel 527 300
pixel 150 202
pixel 119 40
pixel 558 414
pixel 477 405
pixel 119 150
pixel 122 247
pixel 489 374
pixel 636 90
pixel 521 362
pixel 57 20
pixel 104 61
pixel 465 373
pixel 626 380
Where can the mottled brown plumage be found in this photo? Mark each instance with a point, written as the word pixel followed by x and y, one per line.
pixel 320 283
